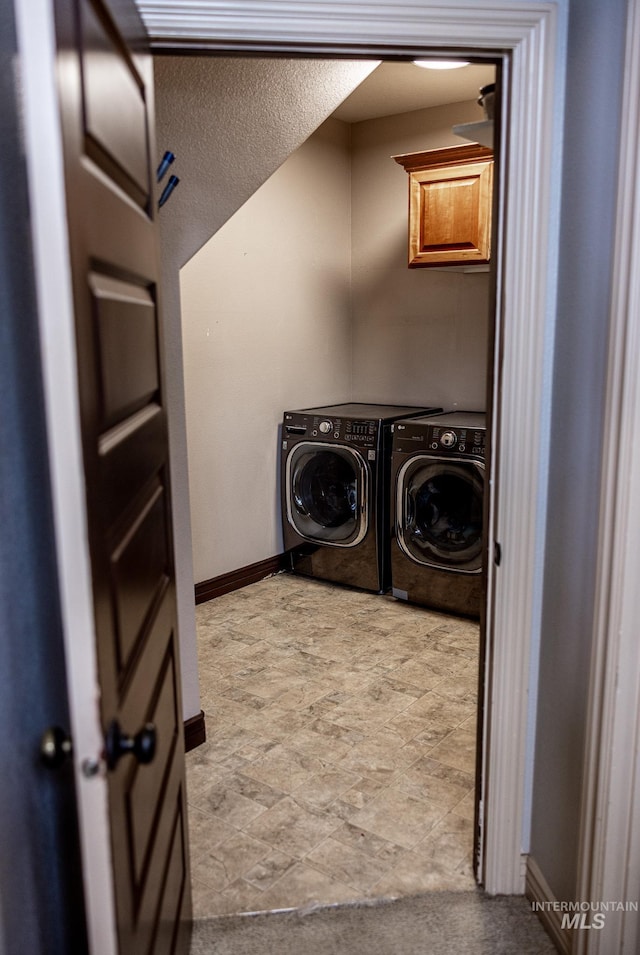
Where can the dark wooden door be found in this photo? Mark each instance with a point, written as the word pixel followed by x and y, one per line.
pixel 106 95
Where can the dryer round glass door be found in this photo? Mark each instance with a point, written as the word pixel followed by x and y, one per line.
pixel 327 490
pixel 439 507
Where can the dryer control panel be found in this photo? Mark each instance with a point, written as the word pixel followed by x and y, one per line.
pixel 410 437
pixel 461 440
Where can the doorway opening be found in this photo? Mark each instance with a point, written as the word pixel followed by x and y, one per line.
pixel 533 52
pixel 267 289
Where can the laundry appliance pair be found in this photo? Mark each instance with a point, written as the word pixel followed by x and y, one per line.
pixel 380 496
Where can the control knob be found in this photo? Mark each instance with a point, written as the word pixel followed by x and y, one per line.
pixel 325 427
pixel 448 439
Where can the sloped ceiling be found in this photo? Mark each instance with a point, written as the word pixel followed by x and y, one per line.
pixel 402 87
pixel 230 123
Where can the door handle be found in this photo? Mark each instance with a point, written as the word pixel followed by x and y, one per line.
pixel 407 519
pixel 142 745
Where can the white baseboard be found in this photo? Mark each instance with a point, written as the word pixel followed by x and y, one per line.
pixel 538 891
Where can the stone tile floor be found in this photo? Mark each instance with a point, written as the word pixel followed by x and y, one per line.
pixel 339 764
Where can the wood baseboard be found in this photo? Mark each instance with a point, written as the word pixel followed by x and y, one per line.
pixel 195 732
pixel 539 893
pixel 235 579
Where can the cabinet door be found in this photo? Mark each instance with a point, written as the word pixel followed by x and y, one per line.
pixel 450 197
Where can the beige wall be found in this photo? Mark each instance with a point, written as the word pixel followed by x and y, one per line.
pixel 419 335
pixel 266 326
pixel 230 122
pixel 275 317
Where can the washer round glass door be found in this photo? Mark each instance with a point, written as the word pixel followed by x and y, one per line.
pixel 439 506
pixel 326 493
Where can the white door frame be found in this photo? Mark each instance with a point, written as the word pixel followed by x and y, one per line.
pixel 531 37
pixel 609 865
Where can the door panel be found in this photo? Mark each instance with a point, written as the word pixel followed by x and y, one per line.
pixel 166 941
pixel 129 456
pixel 148 781
pixel 115 111
pixel 128 349
pixel 139 574
pixel 147 802
pixel 106 112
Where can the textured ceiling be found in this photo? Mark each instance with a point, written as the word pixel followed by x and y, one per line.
pixel 402 87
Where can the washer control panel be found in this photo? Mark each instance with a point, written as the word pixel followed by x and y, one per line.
pixel 361 433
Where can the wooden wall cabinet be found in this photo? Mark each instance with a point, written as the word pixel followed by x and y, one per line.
pixel 450 200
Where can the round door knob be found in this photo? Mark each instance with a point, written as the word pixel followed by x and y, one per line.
pixel 142 746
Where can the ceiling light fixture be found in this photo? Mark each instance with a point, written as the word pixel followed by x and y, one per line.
pixel 441 64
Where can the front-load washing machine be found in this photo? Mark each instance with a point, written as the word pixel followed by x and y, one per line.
pixel 336 463
pixel 438 481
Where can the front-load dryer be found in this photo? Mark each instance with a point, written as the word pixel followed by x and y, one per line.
pixel 438 482
pixel 335 466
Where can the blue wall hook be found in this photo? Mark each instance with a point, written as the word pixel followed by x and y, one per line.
pixel 168 189
pixel 165 162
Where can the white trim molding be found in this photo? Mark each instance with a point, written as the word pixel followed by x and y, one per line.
pixel 609 866
pixel 529 38
pixel 325 25
pixel 546 907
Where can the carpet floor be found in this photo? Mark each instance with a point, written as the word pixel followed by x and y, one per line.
pixel 439 923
